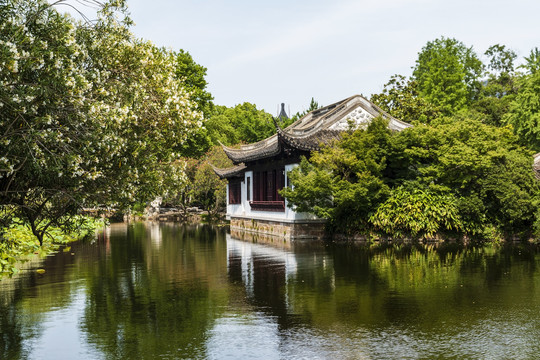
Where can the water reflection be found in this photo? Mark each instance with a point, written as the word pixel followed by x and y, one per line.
pixel 173 291
pixel 261 269
pixel 156 297
pixel 406 302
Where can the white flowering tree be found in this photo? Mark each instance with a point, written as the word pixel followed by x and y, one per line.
pixel 88 113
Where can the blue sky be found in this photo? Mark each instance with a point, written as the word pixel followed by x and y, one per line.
pixel 290 51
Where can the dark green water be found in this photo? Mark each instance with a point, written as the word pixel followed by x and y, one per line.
pixel 174 292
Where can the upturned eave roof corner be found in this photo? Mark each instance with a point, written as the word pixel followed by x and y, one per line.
pixel 229 172
pixel 265 148
pixel 276 124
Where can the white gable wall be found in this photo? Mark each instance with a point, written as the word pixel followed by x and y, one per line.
pixel 358 116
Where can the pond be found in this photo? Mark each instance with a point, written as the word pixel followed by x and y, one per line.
pixel 147 291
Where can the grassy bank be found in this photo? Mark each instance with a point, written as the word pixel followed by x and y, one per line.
pixel 17 242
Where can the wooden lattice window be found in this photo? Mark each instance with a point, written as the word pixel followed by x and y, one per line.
pixel 266 186
pixel 235 191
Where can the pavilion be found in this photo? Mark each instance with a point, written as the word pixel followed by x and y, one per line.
pixel 254 204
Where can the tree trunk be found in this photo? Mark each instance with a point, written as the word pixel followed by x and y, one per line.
pixel 36 232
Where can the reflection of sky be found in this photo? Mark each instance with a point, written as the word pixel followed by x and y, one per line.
pixel 155 234
pixel 60 336
pixel 256 336
pixel 251 336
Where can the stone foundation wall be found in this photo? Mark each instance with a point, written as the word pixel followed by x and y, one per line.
pixel 259 238
pixel 241 228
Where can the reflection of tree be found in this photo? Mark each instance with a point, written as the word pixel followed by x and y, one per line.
pixel 140 301
pixel 127 320
pixel 151 304
pixel 11 329
pixel 150 300
pixel 26 299
pixel 421 286
pixel 337 287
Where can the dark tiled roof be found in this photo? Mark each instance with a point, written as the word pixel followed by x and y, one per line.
pixel 229 172
pixel 311 142
pixel 319 126
pixel 266 148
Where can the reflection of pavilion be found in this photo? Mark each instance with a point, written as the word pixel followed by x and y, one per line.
pixel 254 264
pixel 273 291
pixel 278 280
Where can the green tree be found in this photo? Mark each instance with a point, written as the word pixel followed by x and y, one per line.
pixel 89 114
pixel 344 182
pixel 313 105
pixel 193 78
pixel 178 185
pixel 400 98
pixel 447 73
pixel 501 59
pixel 499 87
pixel 43 92
pixel 482 166
pixel 532 63
pixel 209 191
pixel 524 111
pixel 242 123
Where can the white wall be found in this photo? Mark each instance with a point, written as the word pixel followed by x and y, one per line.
pixel 244 209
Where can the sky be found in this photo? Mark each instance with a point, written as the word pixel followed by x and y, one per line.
pixel 268 53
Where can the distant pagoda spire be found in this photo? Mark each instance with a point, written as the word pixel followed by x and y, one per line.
pixel 283 114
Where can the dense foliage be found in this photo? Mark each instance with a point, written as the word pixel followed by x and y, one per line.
pixel 457 177
pixel 466 166
pixel 401 98
pixel 21 241
pixel 448 73
pixel 203 188
pixel 242 123
pixel 524 110
pixel 89 114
